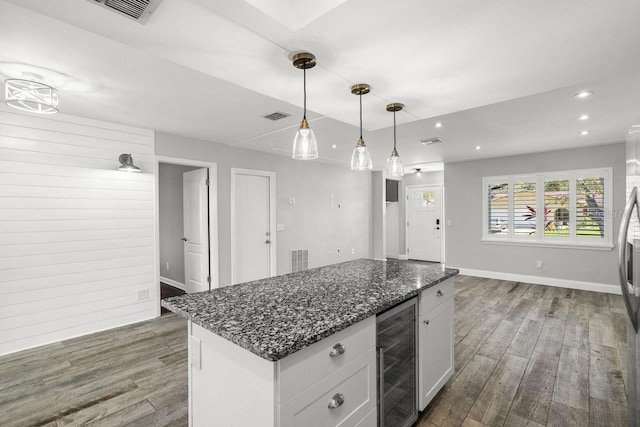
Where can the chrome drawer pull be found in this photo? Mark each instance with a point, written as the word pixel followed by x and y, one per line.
pixel 336 401
pixel 439 293
pixel 337 350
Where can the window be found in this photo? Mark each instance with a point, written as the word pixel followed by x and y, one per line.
pixel 559 208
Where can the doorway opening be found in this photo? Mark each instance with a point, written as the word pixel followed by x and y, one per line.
pixel 424 222
pixel 186 224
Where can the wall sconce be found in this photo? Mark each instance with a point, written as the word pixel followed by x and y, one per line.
pixel 126 162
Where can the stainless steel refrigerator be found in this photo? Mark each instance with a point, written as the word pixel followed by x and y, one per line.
pixel 629 267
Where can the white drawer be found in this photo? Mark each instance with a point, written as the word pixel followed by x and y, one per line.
pixel 307 366
pixel 355 382
pixel 435 295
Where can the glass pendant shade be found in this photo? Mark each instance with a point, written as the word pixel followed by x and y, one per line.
pixel 395 169
pixel 361 157
pixel 305 146
pixel 31 96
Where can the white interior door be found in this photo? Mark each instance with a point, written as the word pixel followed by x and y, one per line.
pixel 424 223
pixel 253 219
pixel 196 230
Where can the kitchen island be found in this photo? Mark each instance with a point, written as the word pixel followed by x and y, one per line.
pixel 268 352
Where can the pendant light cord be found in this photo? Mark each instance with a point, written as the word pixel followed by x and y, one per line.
pixel 394 130
pixel 304 83
pixel 361 114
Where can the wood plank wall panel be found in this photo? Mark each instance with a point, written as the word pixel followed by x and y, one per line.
pixel 76 235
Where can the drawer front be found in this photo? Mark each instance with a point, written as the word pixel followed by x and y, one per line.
pixel 435 295
pixel 350 389
pixel 304 368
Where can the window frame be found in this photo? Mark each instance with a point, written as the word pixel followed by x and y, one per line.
pixel 539 238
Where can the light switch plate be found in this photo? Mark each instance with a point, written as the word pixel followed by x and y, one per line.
pixel 280 227
pixel 196 353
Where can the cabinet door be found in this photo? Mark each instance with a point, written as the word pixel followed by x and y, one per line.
pixel 436 350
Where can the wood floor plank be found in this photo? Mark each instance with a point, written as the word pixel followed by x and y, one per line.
pixel 533 398
pixel 605 375
pixel 601 330
pixel 125 416
pixel 572 380
pixel 492 405
pixel 524 341
pixel 565 416
pixel 514 420
pixel 604 414
pixel 551 337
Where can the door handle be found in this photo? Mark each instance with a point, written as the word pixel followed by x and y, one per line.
pixel 622 256
pixel 437 228
pixel 184 239
pixel 268 242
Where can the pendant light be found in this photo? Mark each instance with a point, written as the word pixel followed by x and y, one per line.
pixel 31 95
pixel 361 157
pixel 305 146
pixel 394 165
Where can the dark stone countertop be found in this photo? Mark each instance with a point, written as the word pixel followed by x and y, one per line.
pixel 278 316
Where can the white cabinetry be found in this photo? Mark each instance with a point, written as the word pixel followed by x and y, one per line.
pixel 436 361
pixel 331 382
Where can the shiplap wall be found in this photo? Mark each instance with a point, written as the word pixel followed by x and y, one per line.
pixel 76 235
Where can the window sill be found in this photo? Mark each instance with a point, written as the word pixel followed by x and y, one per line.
pixel 547 244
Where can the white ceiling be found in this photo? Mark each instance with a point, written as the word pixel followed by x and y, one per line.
pixel 497 74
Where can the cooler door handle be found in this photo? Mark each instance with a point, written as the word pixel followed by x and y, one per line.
pixel 622 255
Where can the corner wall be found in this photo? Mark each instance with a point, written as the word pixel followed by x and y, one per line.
pixel 316 222
pixel 76 235
pixel 588 269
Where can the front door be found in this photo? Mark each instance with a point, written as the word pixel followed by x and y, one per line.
pixel 253 214
pixel 424 223
pixel 196 230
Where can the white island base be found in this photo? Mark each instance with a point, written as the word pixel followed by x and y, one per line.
pixel 230 386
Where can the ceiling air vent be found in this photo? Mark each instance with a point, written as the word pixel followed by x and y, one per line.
pixel 431 141
pixel 138 10
pixel 276 116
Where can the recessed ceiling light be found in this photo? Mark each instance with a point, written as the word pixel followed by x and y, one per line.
pixel 438 125
pixel 584 117
pixel 334 146
pixel 478 147
pixel 584 132
pixel 583 94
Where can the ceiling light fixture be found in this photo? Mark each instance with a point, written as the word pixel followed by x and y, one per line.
pixel 478 147
pixel 438 125
pixel 418 172
pixel 584 117
pixel 305 146
pixel 584 132
pixel 334 146
pixel 126 162
pixel 394 164
pixel 30 95
pixel 361 157
pixel 583 94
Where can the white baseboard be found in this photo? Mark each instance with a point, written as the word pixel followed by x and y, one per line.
pixel 403 257
pixel 547 281
pixel 173 283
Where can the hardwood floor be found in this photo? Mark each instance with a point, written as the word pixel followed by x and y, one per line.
pixel 529 355
pixel 525 355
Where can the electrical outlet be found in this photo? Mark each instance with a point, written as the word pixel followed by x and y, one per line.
pixel 448 223
pixel 142 294
pixel 280 227
pixel 196 353
pixel 167 265
pixel 292 200
pixel 538 264
pixel 353 251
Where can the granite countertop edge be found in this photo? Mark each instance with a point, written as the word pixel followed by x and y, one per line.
pixel 282 352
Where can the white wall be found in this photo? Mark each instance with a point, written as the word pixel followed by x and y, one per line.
pixel 76 235
pixel 171 221
pixel 393 229
pixel 312 223
pixel 378 216
pixel 591 269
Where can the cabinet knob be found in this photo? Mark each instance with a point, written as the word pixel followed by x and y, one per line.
pixel 440 293
pixel 336 401
pixel 426 322
pixel 337 350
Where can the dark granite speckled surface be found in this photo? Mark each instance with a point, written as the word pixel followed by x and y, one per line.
pixel 276 317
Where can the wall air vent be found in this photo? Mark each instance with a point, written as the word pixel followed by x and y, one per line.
pixel 299 260
pixel 138 10
pixel 276 116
